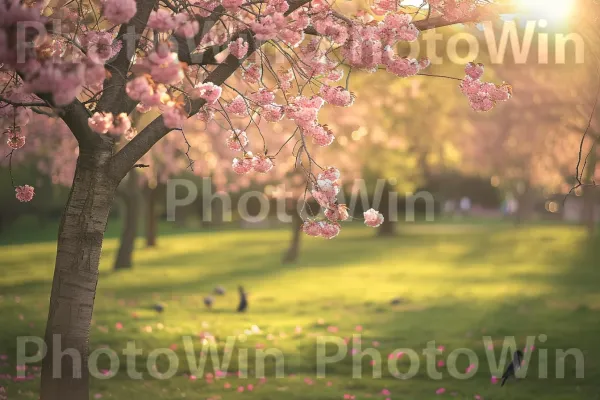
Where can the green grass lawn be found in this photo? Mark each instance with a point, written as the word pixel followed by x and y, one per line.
pixel 458 283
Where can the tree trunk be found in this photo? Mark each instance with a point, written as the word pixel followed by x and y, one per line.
pixel 75 277
pixel 130 222
pixel 524 206
pixel 388 227
pixel 291 255
pixel 151 223
pixel 588 212
pixel 590 194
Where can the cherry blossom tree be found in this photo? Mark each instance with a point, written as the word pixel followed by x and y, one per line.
pixel 529 148
pixel 93 64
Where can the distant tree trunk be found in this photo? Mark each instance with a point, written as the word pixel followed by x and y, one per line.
pixel 151 223
pixel 131 202
pixel 388 227
pixel 291 255
pixel 525 205
pixel 588 212
pixel 590 194
pixel 75 277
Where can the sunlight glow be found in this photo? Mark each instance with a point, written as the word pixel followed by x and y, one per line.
pixel 552 10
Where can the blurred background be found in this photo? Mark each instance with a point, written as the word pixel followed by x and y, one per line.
pixel 503 241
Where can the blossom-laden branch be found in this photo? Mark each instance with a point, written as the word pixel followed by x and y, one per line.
pixel 177 57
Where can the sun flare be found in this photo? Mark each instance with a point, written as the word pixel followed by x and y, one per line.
pixel 555 10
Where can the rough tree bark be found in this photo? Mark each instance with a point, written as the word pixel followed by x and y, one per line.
pixel 131 202
pixel 76 274
pixel 151 223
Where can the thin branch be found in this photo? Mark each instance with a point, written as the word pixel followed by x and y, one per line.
pixel 26 104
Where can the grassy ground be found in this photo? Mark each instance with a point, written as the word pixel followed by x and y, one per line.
pixel 458 283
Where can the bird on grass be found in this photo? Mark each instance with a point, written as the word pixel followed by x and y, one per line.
pixel 243 306
pixel 158 308
pixel 220 290
pixel 513 366
pixel 208 301
pixel 397 300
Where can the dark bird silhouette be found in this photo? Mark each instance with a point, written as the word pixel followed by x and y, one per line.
pixel 208 301
pixel 158 308
pixel 513 366
pixel 243 306
pixel 396 301
pixel 220 290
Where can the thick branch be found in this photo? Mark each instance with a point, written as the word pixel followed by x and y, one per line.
pixel 113 98
pixel 75 116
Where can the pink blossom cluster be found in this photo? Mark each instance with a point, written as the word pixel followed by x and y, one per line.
pixel 327 187
pixel 161 20
pixel 325 192
pixel 14 14
pixel 63 80
pixel 325 229
pixel 239 47
pixel 368 45
pixel 42 64
pixel 162 65
pixel 24 193
pixel 337 96
pixel 285 78
pixel 186 26
pixel 260 163
pixel 100 46
pixel 252 73
pixel 314 60
pixel 273 24
pixel 237 140
pixel 107 123
pixel 15 139
pixel 482 96
pixel 237 106
pixel 272 112
pixel 373 218
pixel 454 10
pixel 304 111
pixel 203 8
pixel 119 11
pixel 147 92
pixel 174 115
pixel 262 97
pixel 205 114
pixel 321 134
pixel 207 91
pixel 331 28
pixel 381 7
